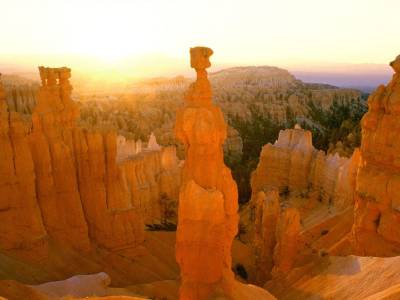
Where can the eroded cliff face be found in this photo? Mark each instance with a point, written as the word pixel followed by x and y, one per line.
pixel 377 211
pixel 73 186
pixel 208 200
pixel 293 165
pixel 153 178
pixel 21 221
pixel 288 240
pixel 51 145
pixel 297 193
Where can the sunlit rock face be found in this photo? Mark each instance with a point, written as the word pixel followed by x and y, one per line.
pixel 52 148
pixel 72 186
pixel 285 164
pixel 334 178
pixel 292 176
pixel 377 211
pixel 208 201
pixel 293 165
pixel 152 176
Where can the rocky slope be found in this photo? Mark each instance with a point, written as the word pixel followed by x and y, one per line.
pixel 350 277
pixel 272 90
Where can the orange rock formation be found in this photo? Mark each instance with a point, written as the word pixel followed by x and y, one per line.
pixel 377 210
pixel 293 165
pixel 288 240
pixel 302 175
pixel 21 222
pixel 208 204
pixel 208 201
pixel 66 184
pixel 267 212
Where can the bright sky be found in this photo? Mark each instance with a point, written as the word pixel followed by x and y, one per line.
pixel 157 33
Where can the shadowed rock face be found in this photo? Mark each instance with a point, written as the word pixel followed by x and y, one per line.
pixel 208 201
pixel 377 210
pixel 287 236
pixel 266 216
pixel 21 222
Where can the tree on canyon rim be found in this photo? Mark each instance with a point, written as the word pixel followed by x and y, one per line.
pixel 256 130
pixel 339 123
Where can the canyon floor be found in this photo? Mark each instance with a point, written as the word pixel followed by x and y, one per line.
pixel 328 277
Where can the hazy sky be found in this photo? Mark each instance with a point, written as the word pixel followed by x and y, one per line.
pixel 280 32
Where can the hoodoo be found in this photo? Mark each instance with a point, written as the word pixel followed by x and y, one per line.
pixel 377 210
pixel 208 201
pixel 73 186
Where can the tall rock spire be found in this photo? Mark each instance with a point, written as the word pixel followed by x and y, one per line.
pixel 377 202
pixel 208 201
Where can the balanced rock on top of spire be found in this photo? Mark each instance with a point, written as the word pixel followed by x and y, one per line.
pixel 208 202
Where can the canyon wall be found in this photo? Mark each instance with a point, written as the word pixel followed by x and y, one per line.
pixel 73 186
pixel 291 180
pixel 22 225
pixel 377 210
pixel 293 165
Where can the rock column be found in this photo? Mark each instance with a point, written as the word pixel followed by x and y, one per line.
pixel 377 201
pixel 208 205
